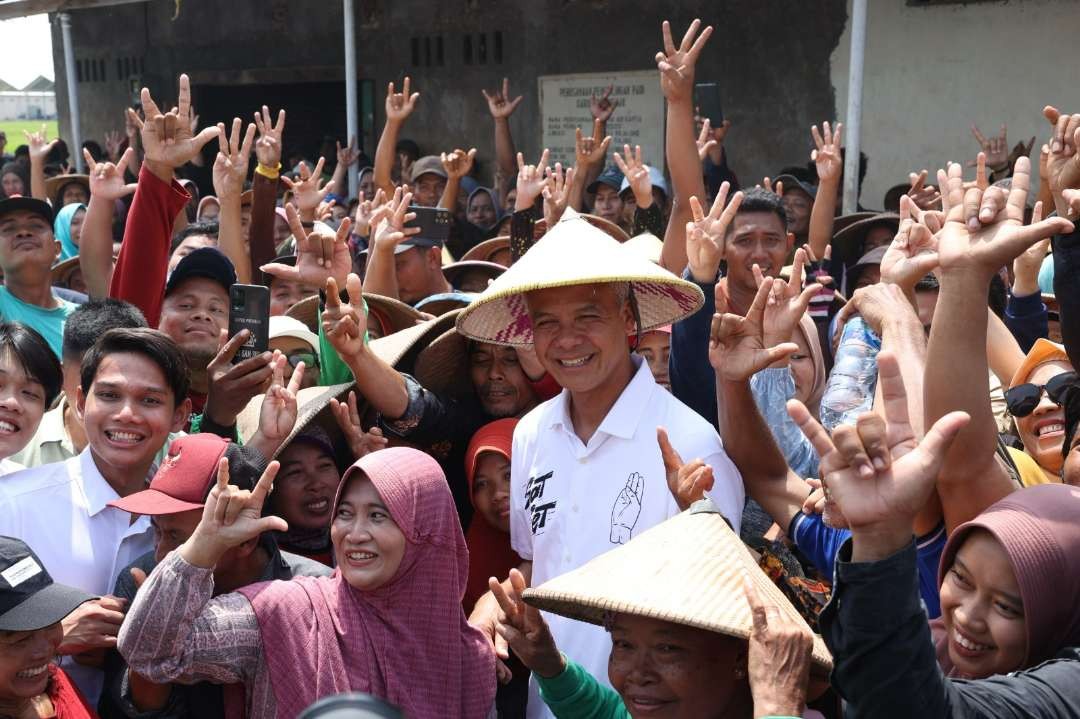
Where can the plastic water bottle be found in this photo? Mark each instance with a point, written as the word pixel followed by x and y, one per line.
pixel 849 391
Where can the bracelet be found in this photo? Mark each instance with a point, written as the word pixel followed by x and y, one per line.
pixel 271 173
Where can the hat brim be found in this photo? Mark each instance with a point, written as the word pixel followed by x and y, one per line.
pixel 43 609
pixel 487 249
pixel 153 503
pixel 38 207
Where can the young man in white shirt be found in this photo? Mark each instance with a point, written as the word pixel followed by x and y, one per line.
pixel 133 393
pixel 587 473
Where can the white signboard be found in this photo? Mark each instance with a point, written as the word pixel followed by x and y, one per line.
pixel 638 118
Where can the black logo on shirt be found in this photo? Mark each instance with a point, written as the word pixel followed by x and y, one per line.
pixel 627 509
pixel 534 491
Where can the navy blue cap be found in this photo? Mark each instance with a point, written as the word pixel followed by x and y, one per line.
pixel 208 262
pixel 29 598
pixel 18 202
pixel 612 177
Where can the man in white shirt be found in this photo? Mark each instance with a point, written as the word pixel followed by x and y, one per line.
pixel 587 473
pixel 133 393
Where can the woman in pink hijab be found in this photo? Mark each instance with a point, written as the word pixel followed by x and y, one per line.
pixel 387 622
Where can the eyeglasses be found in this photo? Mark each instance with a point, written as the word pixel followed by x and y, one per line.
pixel 1024 398
pixel 310 359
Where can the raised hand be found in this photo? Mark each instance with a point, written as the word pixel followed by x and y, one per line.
pixel 399 105
pixel 40 145
pixel 705 141
pixel 705 235
pixel 982 235
pixel 777 190
pixel 878 472
pixel 687 482
pixel 677 65
pixel 878 304
pixel 996 148
pixel 231 516
pixel 361 443
pixel 391 220
pixel 778 658
pixel 232 386
pixel 826 155
pixel 345 323
pixel 637 175
pixel 524 628
pixel 591 150
pixel 500 105
pixel 1027 264
pixel 107 179
pixel 737 348
pixel 913 252
pixel 308 192
pixel 167 138
pixel 231 163
pixel 113 140
pixel 268 146
pixel 366 212
pixel 925 197
pixel 601 106
pixel 278 413
pixel 458 163
pixel 531 180
pixel 786 303
pixel 319 253
pixel 1063 161
pixel 348 155
pixel 556 194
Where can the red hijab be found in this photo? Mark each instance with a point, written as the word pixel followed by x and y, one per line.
pixel 407 642
pixel 1039 527
pixel 490 554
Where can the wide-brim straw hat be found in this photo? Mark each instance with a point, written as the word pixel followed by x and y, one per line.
pixel 443 302
pixel 391 315
pixel 646 245
pixel 847 243
pixel 609 228
pixel 575 252
pixel 455 270
pixel 307 311
pixel 688 570
pixel 62 270
pixel 487 249
pixel 54 185
pixel 443 366
pixel 397 350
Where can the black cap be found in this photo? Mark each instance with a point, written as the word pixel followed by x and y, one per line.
pixel 289 260
pixel 353 705
pixel 18 202
pixel 29 599
pixel 208 262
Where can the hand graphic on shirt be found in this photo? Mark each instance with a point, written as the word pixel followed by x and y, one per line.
pixel 627 509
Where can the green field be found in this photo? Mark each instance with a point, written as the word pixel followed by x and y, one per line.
pixel 14 130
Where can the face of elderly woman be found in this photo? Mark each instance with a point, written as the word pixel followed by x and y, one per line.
pixel 668 670
pixel 368 545
pixel 24 662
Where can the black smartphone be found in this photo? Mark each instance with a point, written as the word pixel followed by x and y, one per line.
pixel 707 102
pixel 434 222
pixel 249 309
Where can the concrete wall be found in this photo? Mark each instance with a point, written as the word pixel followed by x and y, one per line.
pixel 931 72
pixel 772 59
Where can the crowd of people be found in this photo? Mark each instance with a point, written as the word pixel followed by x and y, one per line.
pixel 611 440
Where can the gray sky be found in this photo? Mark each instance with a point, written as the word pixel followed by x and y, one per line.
pixel 27 44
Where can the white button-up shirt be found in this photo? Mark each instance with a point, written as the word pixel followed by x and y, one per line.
pixel 571 501
pixel 60 511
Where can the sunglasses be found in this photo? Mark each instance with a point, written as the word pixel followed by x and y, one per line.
pixel 1024 398
pixel 308 358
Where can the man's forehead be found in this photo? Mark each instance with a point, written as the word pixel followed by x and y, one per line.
pixel 21 216
pixel 199 287
pixel 748 223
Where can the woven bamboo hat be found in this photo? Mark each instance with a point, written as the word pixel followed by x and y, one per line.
pixel 487 250
pixel 389 314
pixel 612 230
pixel 687 570
pixel 575 252
pixel 443 366
pixel 646 245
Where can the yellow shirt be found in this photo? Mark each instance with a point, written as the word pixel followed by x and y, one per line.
pixel 1030 471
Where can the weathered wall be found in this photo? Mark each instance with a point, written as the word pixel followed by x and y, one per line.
pixel 932 71
pixel 772 59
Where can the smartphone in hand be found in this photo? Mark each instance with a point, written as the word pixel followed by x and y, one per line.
pixel 249 309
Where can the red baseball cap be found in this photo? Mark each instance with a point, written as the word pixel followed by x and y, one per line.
pixel 183 480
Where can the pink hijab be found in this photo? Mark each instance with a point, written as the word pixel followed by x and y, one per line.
pixel 1039 527
pixel 407 642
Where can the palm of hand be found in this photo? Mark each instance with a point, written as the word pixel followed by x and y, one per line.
pixel 530 184
pixel 110 186
pixel 173 151
pixel 987 248
pixel 346 344
pixel 739 353
pixel 1063 172
pixel 899 491
pixel 779 320
pixel 828 163
pixel 278 416
pixel 397 106
pixel 229 176
pixel 704 245
pixel 679 83
pixel 268 151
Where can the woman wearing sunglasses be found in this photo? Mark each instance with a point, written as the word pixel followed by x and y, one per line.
pixel 1035 400
pixel 298 344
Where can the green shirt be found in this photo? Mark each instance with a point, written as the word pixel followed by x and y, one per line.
pixel 332 369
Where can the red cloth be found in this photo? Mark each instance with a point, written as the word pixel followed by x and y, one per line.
pixel 1037 527
pixel 490 554
pixel 408 641
pixel 66 699
pixel 546 387
pixel 139 275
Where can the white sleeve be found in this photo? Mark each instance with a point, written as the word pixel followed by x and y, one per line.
pixel 520 527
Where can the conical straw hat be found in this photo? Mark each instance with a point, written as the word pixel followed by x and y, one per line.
pixel 687 570
pixel 575 253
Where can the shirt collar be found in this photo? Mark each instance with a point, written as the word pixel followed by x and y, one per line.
pixel 52 429
pixel 624 416
pixel 98 492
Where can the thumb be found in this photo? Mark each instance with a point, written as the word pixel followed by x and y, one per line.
pixel 781 351
pixel 272 524
pixel 138 576
pixel 939 439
